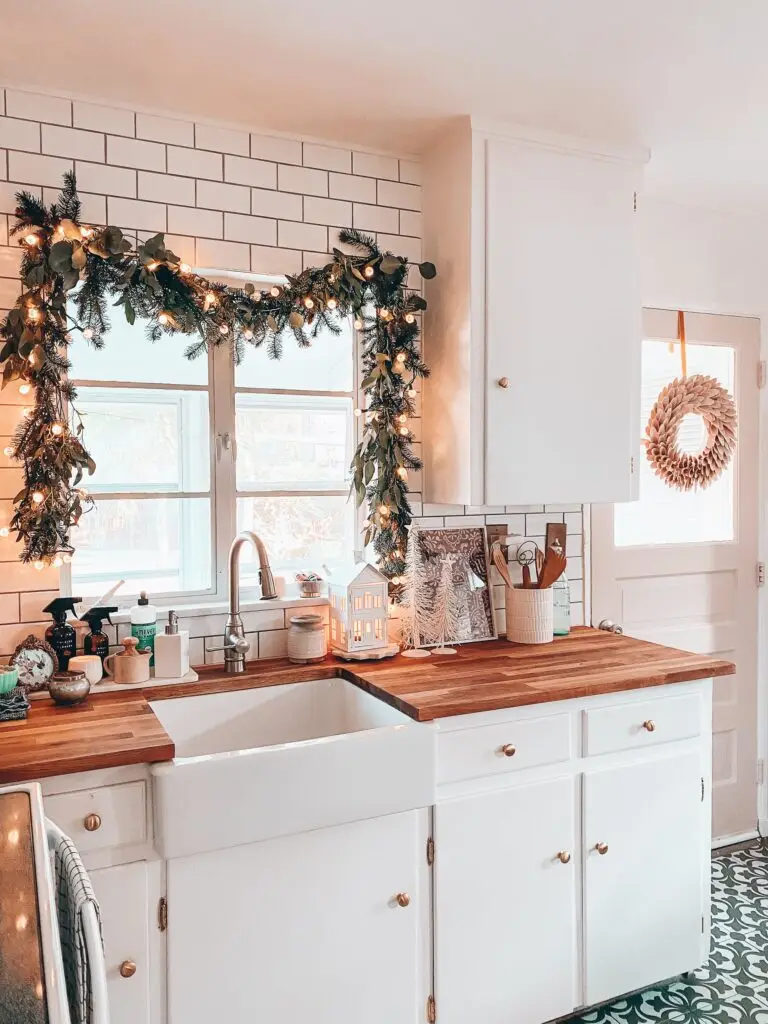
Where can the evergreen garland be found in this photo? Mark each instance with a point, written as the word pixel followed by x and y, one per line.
pixel 97 269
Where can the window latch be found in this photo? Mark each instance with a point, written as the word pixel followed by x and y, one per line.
pixel 225 443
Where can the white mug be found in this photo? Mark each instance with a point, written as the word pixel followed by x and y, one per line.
pixel 90 664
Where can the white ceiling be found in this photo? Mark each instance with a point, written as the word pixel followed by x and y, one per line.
pixel 687 78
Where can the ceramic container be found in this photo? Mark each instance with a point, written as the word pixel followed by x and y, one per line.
pixel 129 665
pixel 90 664
pixel 306 639
pixel 529 615
pixel 69 687
pixel 9 679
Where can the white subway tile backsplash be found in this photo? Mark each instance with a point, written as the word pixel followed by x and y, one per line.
pixel 182 220
pixel 164 129
pixel 302 236
pixel 536 525
pixel 375 218
pixel 272 147
pixel 410 223
pixel 273 644
pixel 10 264
pixel 266 202
pixel 240 228
pixel 97 118
pixel 242 171
pixel 93 208
pixel 18 134
pixel 133 213
pixel 327 211
pixel 223 255
pixel 214 195
pixel 305 180
pixel 166 188
pixel 410 172
pixel 372 166
pixel 9 608
pixel 352 186
pixel 112 181
pixel 393 193
pixel 9 292
pixel 266 259
pixel 443 510
pixel 465 520
pixel 34 107
pixel 147 156
pixel 573 520
pixel 32 169
pixel 31 605
pixel 403 246
pixel 183 246
pixel 195 163
pixel 327 157
pixel 222 140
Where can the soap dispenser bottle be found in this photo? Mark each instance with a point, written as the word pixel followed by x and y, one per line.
pixel 144 624
pixel 61 635
pixel 97 641
pixel 172 650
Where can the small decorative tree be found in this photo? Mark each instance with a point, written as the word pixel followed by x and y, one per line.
pixel 446 609
pixel 412 605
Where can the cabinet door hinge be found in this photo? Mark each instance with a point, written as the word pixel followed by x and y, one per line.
pixel 632 464
pixel 162 914
pixel 702 789
pixel 702 924
pixel 760 771
pixel 430 851
pixel 634 201
pixel 762 374
pixel 760 574
pixel 431 1010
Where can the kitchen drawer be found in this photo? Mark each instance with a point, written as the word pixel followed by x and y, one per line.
pixel 119 812
pixel 506 747
pixel 642 723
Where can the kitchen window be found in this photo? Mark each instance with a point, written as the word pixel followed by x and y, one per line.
pixel 189 452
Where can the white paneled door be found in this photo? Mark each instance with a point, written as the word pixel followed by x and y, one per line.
pixel 680 568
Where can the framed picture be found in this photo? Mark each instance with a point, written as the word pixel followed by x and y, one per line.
pixel 454 589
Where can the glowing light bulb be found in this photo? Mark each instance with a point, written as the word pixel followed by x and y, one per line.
pixel 248 335
pixel 184 268
pixel 411 392
pixel 24 389
pixel 57 430
pixel 358 324
pixel 331 303
pixel 21 922
pixel 368 272
pixel 383 313
pixel 404 431
pixel 309 303
pixel 402 472
pixel 33 313
pixel 26 413
pixel 8 451
pixel 32 239
pixel 38 497
pixel 87 333
pixel 402 418
pixel 4 531
pixel 58 562
pixel 224 329
pixel 86 232
pixel 274 291
pixel 383 510
pixel 366 523
pixel 400 357
pixel 210 300
pixel 39 566
pixel 358 412
pixel 164 319
pixel 66 558
pixel 152 267
pixel 396 580
pixel 410 318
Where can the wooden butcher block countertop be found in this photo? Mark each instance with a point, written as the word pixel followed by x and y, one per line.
pixel 114 729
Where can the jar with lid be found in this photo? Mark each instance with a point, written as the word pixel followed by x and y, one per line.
pixel 306 639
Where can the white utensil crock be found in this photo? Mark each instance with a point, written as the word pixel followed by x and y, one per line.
pixel 530 615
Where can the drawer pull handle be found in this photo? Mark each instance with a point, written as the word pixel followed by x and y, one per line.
pixel 649 725
pixel 602 848
pixel 127 968
pixel 508 750
pixel 403 899
pixel 92 822
pixel 563 856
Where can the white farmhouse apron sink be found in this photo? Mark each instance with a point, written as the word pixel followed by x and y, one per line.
pixel 277 760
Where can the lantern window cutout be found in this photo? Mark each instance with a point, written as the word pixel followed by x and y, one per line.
pixel 358 609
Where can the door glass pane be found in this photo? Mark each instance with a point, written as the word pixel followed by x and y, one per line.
pixel 326 365
pixel 664 515
pixel 286 442
pixel 161 545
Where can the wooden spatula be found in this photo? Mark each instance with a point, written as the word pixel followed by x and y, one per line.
pixel 552 569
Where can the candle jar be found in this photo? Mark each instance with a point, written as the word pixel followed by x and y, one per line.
pixel 306 639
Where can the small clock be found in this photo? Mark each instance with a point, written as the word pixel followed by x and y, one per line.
pixel 36 662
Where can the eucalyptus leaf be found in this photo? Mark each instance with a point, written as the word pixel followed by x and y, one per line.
pixel 130 312
pixel 78 257
pixel 417 302
pixel 370 380
pixel 249 288
pixel 356 273
pixel 37 357
pixel 296 319
pixel 71 279
pixel 389 264
pixel 271 323
pixel 60 258
pixel 6 351
pixel 70 229
pixel 35 275
pixel 427 270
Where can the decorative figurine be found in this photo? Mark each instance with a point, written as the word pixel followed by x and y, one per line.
pixel 359 613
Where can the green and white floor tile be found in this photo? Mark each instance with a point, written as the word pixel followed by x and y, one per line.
pixel 733 986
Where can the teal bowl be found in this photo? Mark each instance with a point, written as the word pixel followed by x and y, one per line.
pixel 9 679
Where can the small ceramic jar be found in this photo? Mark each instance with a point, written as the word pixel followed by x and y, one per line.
pixel 306 639
pixel 9 679
pixel 69 687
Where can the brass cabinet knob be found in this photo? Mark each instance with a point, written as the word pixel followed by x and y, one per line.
pixel 503 382
pixel 649 725
pixel 602 848
pixel 563 856
pixel 403 899
pixel 92 822
pixel 127 968
pixel 508 750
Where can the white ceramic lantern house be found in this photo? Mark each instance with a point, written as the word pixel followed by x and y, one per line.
pixel 358 614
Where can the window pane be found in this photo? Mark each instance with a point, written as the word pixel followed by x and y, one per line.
pixel 301 533
pixel 128 356
pixel 326 366
pixel 663 515
pixel 146 440
pixel 161 545
pixel 285 442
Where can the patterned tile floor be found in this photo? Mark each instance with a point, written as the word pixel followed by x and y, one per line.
pixel 733 986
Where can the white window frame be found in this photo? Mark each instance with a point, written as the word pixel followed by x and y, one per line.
pixel 223 455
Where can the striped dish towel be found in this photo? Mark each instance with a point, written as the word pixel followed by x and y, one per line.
pixel 73 893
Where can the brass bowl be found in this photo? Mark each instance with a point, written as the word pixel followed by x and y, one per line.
pixel 69 687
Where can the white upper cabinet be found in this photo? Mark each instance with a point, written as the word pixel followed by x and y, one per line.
pixel 533 327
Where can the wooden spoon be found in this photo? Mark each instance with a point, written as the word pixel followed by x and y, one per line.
pixel 501 564
pixel 552 569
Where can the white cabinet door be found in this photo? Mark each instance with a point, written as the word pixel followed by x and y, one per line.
pixel 123 895
pixel 562 326
pixel 505 905
pixel 645 893
pixel 303 928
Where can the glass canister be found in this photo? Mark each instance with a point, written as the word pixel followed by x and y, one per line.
pixel 561 594
pixel 306 639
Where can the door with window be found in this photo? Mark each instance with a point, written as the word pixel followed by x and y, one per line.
pixel 679 568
